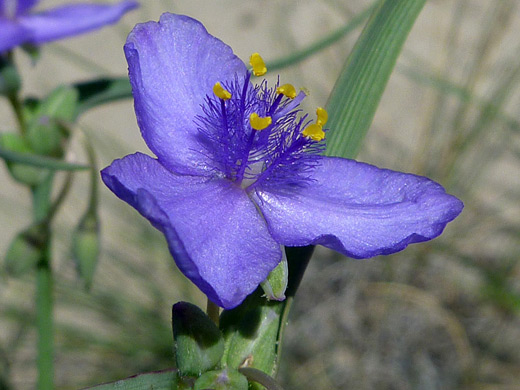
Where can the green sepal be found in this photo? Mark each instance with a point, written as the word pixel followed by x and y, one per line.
pixel 250 332
pixel 10 82
pixel 276 283
pixel 22 173
pixel 356 94
pixel 46 136
pixel 85 247
pixel 26 250
pixel 198 341
pixel 225 379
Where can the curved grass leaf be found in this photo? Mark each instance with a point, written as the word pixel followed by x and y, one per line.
pixel 322 44
pixel 358 90
pixel 39 161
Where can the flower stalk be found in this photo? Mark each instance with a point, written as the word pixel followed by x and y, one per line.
pixel 44 290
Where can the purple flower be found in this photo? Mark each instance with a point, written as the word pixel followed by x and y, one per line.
pixel 239 173
pixel 18 26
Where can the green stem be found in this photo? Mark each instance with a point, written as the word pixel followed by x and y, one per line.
pixel 44 322
pixel 44 288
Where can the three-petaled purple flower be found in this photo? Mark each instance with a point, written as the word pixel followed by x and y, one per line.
pixel 18 26
pixel 239 173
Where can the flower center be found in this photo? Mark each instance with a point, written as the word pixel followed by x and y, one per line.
pixel 255 135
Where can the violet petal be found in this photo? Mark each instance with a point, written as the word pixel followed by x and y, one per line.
pixel 173 65
pixel 214 232
pixel 358 209
pixel 11 34
pixel 72 19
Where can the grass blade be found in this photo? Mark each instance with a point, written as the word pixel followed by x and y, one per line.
pixel 355 97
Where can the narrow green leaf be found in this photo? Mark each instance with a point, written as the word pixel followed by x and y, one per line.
pixel 323 43
pixel 39 161
pixel 97 92
pixel 163 380
pixel 358 90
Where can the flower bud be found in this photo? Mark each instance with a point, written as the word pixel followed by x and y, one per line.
pixel 85 248
pixel 25 250
pixel 45 134
pixel 198 341
pixel 225 379
pixel 276 283
pixel 22 173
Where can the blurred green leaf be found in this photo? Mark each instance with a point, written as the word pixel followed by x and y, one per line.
pixel 14 149
pixel 163 380
pixel 39 161
pixel 356 94
pixel 97 92
pixel 322 44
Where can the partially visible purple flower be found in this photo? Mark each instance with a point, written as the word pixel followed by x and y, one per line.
pixel 239 171
pixel 18 26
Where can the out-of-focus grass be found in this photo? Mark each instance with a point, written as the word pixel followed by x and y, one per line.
pixel 439 315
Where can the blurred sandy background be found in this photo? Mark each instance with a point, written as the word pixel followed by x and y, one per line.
pixel 443 315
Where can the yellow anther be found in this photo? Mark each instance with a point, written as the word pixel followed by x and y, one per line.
pixel 322 116
pixel 259 123
pixel 287 90
pixel 220 92
pixel 258 64
pixel 305 91
pixel 314 131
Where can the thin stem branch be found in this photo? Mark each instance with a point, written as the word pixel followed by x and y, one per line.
pixel 252 374
pixel 44 322
pixel 44 288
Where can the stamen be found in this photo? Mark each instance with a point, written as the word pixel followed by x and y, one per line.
pixel 323 116
pixel 314 132
pixel 258 122
pixel 220 92
pixel 287 90
pixel 258 64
